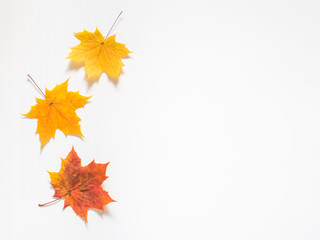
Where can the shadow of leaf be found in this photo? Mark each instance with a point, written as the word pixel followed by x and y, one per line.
pixel 73 66
pixel 105 212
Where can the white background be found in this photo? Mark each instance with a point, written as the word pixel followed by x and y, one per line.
pixel 212 132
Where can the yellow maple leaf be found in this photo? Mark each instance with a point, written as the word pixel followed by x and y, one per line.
pixel 99 54
pixel 57 111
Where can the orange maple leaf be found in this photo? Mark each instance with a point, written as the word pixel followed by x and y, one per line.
pixel 99 54
pixel 57 111
pixel 80 186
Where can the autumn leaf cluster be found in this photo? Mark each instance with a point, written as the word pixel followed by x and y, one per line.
pixel 79 186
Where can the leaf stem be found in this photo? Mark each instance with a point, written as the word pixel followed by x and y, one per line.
pixel 114 24
pixel 49 203
pixel 35 84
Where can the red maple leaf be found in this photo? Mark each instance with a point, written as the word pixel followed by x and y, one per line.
pixel 80 186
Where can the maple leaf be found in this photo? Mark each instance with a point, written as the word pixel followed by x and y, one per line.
pixel 80 186
pixel 57 111
pixel 99 54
